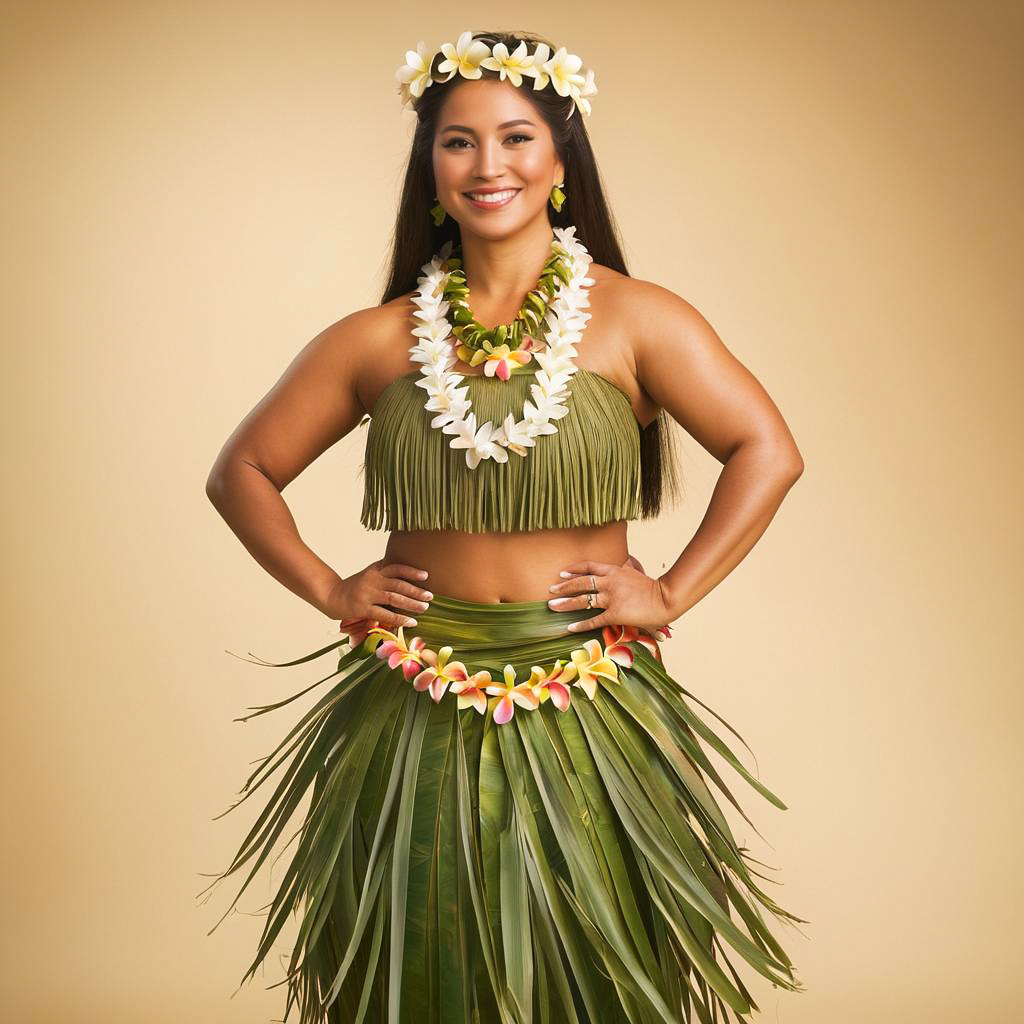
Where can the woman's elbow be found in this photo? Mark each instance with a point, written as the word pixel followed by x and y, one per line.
pixel 795 464
pixel 217 478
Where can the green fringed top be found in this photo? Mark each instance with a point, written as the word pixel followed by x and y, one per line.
pixel 584 474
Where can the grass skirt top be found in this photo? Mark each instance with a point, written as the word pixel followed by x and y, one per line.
pixel 584 474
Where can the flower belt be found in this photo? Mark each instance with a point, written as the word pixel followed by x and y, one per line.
pixel 438 673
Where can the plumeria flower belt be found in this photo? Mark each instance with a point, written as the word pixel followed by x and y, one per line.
pixel 439 673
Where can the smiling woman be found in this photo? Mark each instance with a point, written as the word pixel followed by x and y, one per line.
pixel 512 814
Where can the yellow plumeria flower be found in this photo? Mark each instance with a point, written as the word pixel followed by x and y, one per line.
pixel 591 663
pixel 414 75
pixel 512 66
pixel 464 57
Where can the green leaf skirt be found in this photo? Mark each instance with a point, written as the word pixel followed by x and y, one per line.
pixel 571 864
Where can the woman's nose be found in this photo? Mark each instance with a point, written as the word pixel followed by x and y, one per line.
pixel 488 161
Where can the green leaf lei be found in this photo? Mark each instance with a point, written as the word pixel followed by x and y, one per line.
pixel 472 334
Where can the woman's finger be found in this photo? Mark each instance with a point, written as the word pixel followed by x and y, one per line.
pixel 411 590
pixel 402 569
pixel 578 585
pixel 599 568
pixel 397 599
pixel 390 619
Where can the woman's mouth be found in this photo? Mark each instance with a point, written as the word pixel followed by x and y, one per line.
pixel 492 200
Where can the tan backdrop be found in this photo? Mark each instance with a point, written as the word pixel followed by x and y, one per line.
pixel 193 190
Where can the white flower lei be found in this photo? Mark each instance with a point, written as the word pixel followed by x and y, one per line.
pixel 564 322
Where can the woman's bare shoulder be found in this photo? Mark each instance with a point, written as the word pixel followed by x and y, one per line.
pixel 624 291
pixel 375 321
pixel 376 341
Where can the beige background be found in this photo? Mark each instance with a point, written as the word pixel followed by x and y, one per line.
pixel 193 190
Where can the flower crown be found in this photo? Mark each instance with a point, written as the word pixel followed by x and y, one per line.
pixel 466 57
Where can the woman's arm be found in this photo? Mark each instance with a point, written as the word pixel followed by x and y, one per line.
pixel 687 370
pixel 312 406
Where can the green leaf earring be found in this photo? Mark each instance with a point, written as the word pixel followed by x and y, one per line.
pixel 437 212
pixel 557 196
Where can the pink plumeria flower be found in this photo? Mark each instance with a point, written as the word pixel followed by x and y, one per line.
pixel 616 637
pixel 592 663
pixel 553 683
pixel 397 652
pixel 501 359
pixel 439 672
pixel 512 693
pixel 616 640
pixel 470 692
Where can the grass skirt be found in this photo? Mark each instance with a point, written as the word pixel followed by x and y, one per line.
pixel 561 866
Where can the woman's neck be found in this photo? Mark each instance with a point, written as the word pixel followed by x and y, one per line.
pixel 500 272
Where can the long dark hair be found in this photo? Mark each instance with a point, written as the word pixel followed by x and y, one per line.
pixel 416 239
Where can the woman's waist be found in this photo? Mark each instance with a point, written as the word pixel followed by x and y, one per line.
pixel 500 568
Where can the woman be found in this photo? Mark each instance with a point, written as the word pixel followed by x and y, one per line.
pixel 510 815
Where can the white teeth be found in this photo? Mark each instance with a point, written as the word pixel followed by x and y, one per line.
pixel 493 197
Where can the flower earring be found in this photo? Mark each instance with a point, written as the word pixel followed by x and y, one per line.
pixel 437 212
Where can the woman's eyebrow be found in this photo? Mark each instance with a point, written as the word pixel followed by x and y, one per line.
pixel 506 124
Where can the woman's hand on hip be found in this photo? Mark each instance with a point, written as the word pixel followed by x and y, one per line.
pixel 623 595
pixel 373 594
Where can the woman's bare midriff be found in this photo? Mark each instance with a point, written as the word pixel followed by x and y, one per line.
pixel 499 567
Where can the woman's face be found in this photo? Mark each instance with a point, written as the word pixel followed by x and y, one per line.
pixel 489 135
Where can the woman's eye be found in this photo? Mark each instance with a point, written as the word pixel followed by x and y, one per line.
pixel 454 143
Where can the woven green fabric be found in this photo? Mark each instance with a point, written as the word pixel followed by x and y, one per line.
pixel 585 474
pixel 566 866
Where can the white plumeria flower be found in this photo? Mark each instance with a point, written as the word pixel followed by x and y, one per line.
pixel 432 349
pixel 414 74
pixel 434 325
pixel 552 383
pixel 455 411
pixel 563 69
pixel 538 417
pixel 512 66
pixel 517 435
pixel 482 443
pixel 430 303
pixel 540 57
pixel 464 57
pixel 580 94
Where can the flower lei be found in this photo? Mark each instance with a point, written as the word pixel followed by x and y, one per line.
pixel 566 319
pixel 468 56
pixel 504 347
pixel 438 673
